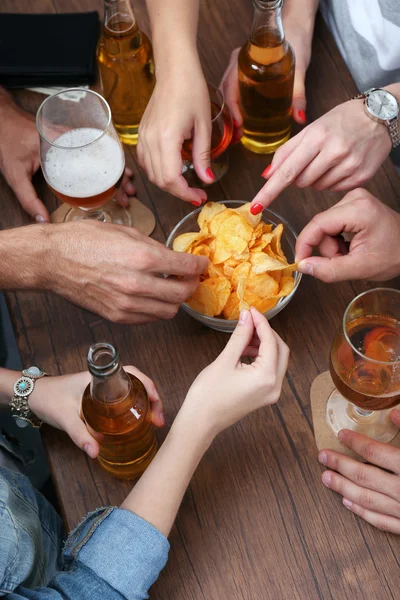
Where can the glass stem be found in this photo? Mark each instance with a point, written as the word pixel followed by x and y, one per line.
pixel 97 215
pixel 363 413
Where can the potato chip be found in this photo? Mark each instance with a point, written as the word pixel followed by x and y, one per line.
pixel 208 212
pixel 205 297
pixel 222 288
pixel 184 242
pixel 231 308
pixel 247 264
pixel 262 285
pixel 240 272
pixel 244 210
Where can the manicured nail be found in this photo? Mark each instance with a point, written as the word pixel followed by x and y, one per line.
pixel 302 116
pixel 323 458
pixel 326 478
pixel 128 172
pixel 347 503
pixel 89 450
pixel 244 315
pixel 195 203
pixel 266 171
pixel 210 174
pixel 235 124
pixel 305 268
pixel 40 219
pixel 256 208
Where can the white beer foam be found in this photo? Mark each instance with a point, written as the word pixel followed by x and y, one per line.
pixel 84 172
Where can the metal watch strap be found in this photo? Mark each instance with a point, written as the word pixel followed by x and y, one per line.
pixel 393 127
pixel 23 388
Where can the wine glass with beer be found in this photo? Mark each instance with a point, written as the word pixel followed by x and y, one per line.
pixel 365 366
pixel 81 155
pixel 221 137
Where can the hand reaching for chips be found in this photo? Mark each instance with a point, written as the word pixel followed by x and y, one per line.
pixel 247 264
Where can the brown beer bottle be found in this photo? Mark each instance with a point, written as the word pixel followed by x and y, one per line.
pixel 116 410
pixel 266 76
pixel 126 65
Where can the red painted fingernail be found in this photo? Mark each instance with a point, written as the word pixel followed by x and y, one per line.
pixel 266 171
pixel 256 208
pixel 196 203
pixel 236 138
pixel 210 174
pixel 235 124
pixel 302 116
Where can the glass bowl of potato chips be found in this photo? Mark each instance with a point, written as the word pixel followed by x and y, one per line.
pixel 251 261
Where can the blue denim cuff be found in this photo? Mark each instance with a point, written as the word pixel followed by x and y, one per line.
pixel 121 548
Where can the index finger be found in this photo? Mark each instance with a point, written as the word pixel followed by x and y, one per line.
pixel 287 172
pixel 330 222
pixel 267 357
pixel 374 452
pixel 181 264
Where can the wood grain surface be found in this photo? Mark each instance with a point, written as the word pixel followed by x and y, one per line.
pixel 256 522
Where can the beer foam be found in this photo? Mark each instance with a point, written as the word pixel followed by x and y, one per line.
pixel 87 171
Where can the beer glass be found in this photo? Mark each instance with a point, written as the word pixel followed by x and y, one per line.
pixel 81 155
pixel 221 137
pixel 365 366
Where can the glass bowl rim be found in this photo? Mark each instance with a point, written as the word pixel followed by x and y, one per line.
pixel 233 322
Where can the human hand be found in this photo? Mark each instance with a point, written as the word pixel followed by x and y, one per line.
pixel 179 108
pixel 368 491
pixel 339 151
pixel 126 189
pixel 373 250
pixel 115 271
pixel 57 402
pixel 227 390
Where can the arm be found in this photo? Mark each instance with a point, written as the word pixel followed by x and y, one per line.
pixel 298 24
pixel 180 105
pixel 124 550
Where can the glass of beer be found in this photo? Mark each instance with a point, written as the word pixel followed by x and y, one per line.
pixel 221 137
pixel 365 366
pixel 81 155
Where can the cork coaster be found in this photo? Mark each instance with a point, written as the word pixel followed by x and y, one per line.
pixel 142 218
pixel 321 389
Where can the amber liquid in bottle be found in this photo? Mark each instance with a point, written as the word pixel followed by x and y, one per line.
pixel 126 65
pixel 266 75
pixel 117 412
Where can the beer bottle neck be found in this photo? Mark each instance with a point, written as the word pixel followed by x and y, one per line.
pixel 110 384
pixel 118 16
pixel 267 29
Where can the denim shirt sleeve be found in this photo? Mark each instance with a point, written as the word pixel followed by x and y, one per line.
pixel 113 554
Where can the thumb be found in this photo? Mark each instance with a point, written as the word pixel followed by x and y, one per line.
pixel 338 268
pixel 395 416
pixel 28 199
pixel 201 150
pixel 240 339
pixel 299 102
pixel 81 437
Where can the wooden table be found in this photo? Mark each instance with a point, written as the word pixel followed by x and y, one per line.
pixel 256 523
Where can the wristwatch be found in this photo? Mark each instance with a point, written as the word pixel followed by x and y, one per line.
pixel 381 106
pixel 23 388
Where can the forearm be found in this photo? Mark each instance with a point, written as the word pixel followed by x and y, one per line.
pixel 174 33
pixel 298 22
pixel 157 495
pixel 23 257
pixel 7 380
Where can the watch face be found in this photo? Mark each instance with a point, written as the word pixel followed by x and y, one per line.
pixel 382 105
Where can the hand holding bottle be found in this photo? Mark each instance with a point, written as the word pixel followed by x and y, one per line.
pixel 57 402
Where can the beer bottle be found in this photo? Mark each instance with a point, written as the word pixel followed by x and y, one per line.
pixel 116 410
pixel 266 76
pixel 126 65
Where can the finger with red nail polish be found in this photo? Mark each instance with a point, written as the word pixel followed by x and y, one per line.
pixel 256 208
pixel 267 172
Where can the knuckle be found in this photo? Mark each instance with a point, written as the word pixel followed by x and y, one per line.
pixel 369 451
pixel 382 524
pixel 287 175
pixel 169 179
pixel 360 475
pixel 171 311
pixel 366 500
pixel 144 260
